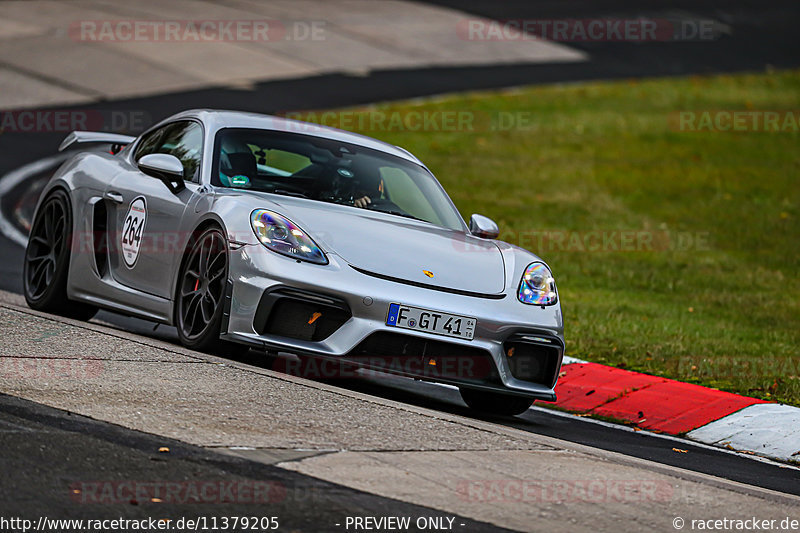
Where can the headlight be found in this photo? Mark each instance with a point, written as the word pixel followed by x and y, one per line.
pixel 537 286
pixel 281 235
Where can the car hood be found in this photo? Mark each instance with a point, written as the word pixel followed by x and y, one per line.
pixel 396 247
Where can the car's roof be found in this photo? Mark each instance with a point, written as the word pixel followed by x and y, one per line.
pixel 218 119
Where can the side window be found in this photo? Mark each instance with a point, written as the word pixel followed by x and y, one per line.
pixel 184 140
pixel 149 143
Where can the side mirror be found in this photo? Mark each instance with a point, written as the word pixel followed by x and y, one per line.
pixel 165 167
pixel 483 227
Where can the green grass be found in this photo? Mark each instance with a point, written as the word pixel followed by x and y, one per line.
pixel 606 156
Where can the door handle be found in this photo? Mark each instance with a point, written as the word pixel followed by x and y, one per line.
pixel 114 197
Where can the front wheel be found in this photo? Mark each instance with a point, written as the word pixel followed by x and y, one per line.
pixel 495 403
pixel 201 293
pixel 47 256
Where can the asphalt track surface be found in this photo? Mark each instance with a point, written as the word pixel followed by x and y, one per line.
pixel 53 453
pixel 760 35
pixel 756 35
pixel 761 38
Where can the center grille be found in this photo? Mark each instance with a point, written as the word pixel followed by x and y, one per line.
pixel 406 354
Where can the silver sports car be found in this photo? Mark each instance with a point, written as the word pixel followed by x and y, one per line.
pixel 246 230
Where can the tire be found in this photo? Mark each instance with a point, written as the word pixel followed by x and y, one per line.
pixel 495 403
pixel 46 266
pixel 200 295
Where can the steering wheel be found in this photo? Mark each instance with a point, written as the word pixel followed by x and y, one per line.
pixel 376 202
pixel 291 189
pixel 384 205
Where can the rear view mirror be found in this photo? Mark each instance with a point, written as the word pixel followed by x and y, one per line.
pixel 483 227
pixel 165 167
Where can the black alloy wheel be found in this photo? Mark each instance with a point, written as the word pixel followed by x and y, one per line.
pixel 47 257
pixel 201 294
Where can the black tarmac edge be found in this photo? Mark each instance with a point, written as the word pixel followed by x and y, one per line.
pixel 59 465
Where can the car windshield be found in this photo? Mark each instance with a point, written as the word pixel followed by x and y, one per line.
pixel 330 171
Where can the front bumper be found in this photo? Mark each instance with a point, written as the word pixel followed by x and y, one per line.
pixel 257 275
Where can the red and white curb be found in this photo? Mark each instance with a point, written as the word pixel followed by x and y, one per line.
pixel 662 405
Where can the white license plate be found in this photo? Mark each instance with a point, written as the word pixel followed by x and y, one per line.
pixel 414 318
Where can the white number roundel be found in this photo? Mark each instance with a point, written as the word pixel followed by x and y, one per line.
pixel 132 230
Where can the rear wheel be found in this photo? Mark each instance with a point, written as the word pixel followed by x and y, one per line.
pixel 494 402
pixel 46 267
pixel 201 292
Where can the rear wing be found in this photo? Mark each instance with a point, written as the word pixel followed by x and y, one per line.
pixel 96 137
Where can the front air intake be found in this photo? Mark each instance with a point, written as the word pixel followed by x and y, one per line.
pixel 533 358
pixel 299 314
